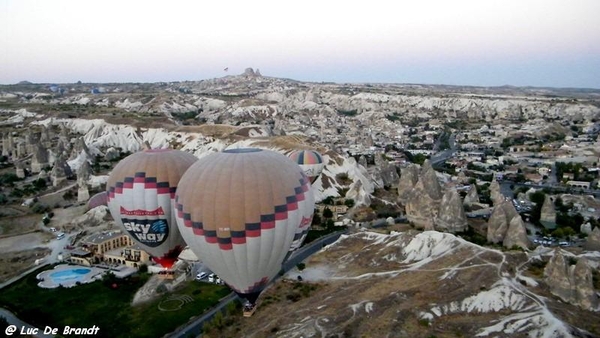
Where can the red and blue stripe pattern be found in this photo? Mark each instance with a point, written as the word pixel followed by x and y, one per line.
pixel 267 221
pixel 140 177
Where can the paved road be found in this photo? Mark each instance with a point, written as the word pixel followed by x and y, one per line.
pixel 563 189
pixel 21 325
pixel 194 328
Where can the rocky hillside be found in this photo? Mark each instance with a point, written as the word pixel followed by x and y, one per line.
pixel 418 284
pixel 252 98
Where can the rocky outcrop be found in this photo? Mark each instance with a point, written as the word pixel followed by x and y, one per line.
pixel 20 169
pixel 362 160
pixel 60 172
pixel 548 214
pixel 586 228
pixel 84 172
pixel 497 225
pixel 408 179
pixel 451 216
pixel 472 196
pixel 356 192
pixel 423 202
pixel 83 193
pixel 78 148
pixel 39 161
pixel 111 154
pixel 592 242
pixel 516 235
pixel 500 221
pixel 495 194
pixel 388 174
pixel 430 181
pixel 571 283
pixel 462 178
pixel 421 209
pixel 249 72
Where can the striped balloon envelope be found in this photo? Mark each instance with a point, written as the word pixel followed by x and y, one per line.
pixel 310 161
pixel 98 200
pixel 239 210
pixel 140 196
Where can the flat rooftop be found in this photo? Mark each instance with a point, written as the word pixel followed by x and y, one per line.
pixel 98 238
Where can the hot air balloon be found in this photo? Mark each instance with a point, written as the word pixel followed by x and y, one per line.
pixel 140 194
pixel 98 200
pixel 239 210
pixel 310 161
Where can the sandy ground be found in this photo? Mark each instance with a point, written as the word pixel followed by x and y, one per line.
pixel 17 262
pixel 24 242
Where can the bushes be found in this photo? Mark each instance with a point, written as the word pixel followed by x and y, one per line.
pixel 40 208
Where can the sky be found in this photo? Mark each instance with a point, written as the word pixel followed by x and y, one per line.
pixel 547 43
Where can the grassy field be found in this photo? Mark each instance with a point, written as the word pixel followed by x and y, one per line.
pixel 106 304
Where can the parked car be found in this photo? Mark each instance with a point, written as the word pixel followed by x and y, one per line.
pixel 212 277
pixel 201 276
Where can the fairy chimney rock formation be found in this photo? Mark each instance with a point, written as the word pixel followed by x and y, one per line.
pixel 472 196
pixel 516 235
pixel 355 193
pixel 40 159
pixel 84 172
pixel 592 242
pixel 408 179
pixel 423 202
pixel 60 172
pixel 431 182
pixel 451 216
pixel 20 169
pixel 548 214
pixel 500 221
pixel 571 283
pixel 495 194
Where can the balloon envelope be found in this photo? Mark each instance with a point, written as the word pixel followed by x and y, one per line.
pixel 97 200
pixel 310 161
pixel 239 211
pixel 140 194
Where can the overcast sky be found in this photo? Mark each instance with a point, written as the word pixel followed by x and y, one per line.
pixel 466 42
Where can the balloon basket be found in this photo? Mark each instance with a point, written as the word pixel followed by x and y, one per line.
pixel 249 310
pixel 167 274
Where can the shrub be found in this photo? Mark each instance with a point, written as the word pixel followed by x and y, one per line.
pixel 40 208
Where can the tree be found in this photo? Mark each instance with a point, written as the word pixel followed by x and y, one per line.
pixel 349 203
pixel 327 213
pixel 40 184
pixel 328 200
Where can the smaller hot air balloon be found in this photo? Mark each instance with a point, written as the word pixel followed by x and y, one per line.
pixel 140 194
pixel 310 161
pixel 98 200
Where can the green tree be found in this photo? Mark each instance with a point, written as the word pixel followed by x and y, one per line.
pixel 349 203
pixel 327 213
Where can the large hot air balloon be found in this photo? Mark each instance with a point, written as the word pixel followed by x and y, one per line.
pixel 141 190
pixel 310 161
pixel 239 210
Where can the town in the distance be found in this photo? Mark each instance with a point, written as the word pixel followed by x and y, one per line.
pixel 255 206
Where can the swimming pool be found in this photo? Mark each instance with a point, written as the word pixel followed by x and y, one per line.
pixel 69 275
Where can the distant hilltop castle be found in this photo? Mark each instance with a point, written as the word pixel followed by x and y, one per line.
pixel 251 72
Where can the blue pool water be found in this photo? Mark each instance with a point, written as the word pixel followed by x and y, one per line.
pixel 70 275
